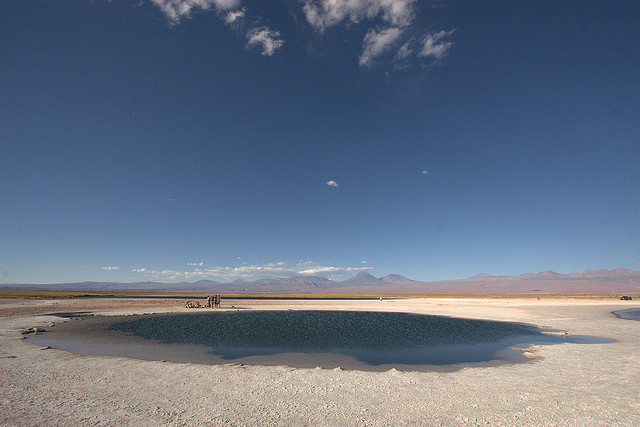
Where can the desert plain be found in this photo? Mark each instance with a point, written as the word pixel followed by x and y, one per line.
pixel 563 384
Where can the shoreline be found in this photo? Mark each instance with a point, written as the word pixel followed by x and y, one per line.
pixel 88 334
pixel 567 384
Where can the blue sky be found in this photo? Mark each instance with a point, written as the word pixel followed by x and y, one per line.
pixel 223 139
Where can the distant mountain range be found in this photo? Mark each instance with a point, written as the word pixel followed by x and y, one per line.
pixel 616 281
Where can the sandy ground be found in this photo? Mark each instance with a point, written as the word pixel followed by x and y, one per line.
pixel 570 384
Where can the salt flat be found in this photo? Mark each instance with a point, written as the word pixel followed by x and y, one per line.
pixel 568 384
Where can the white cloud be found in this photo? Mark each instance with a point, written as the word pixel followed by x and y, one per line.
pixel 175 10
pixel 326 13
pixel 331 271
pixel 376 43
pixel 433 46
pixel 404 51
pixel 109 268
pixel 332 183
pixel 234 16
pixel 396 17
pixel 196 263
pixel 424 172
pixel 226 4
pixel 251 272
pixel 389 24
pixel 269 39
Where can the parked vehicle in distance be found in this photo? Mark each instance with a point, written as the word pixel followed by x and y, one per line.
pixel 626 298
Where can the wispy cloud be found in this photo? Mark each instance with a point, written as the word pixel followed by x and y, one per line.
pixel 251 272
pixel 234 16
pixel 331 271
pixel 175 10
pixel 224 4
pixel 391 23
pixel 109 268
pixel 332 183
pixel 268 39
pixel 432 44
pixel 397 16
pixel 326 13
pixel 196 263
pixel 404 51
pixel 424 172
pixel 376 42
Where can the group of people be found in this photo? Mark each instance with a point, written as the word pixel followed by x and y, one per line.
pixel 213 301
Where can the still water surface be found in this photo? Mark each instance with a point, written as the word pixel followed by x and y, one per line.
pixel 633 314
pixel 329 339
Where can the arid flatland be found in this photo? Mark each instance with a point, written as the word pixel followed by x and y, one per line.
pixel 566 384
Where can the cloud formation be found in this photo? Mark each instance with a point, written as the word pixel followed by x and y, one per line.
pixel 175 10
pixel 404 51
pixel 326 13
pixel 433 46
pixel 397 16
pixel 330 271
pixel 390 24
pixel 109 268
pixel 234 16
pixel 262 36
pixel 251 272
pixel 332 183
pixel 376 43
